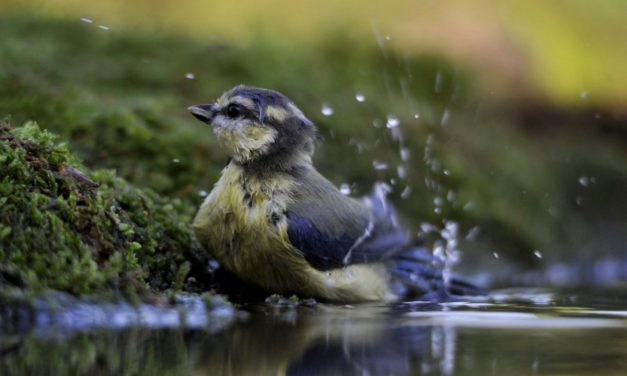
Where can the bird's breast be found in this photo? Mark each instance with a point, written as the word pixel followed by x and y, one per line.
pixel 242 224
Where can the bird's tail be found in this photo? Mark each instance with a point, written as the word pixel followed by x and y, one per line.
pixel 418 273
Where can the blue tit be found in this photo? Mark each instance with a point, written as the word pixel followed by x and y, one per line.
pixel 274 221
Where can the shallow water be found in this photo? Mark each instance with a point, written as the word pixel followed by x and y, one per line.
pixel 525 332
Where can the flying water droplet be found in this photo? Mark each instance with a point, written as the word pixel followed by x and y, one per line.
pixel 472 233
pixel 469 206
pixel 450 196
pixel 438 82
pixel 496 255
pixel 345 189
pixel 86 20
pixel 103 27
pixel 392 122
pixel 176 160
pixel 584 181
pixel 378 165
pixel 583 95
pixel 537 253
pixel 190 76
pixel 359 97
pixel 404 152
pixel 401 171
pixel 406 193
pixel 202 193
pixel 445 117
pixel 326 110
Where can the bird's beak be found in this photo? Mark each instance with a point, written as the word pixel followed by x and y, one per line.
pixel 203 112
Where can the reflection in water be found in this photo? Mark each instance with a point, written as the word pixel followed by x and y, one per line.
pixel 410 339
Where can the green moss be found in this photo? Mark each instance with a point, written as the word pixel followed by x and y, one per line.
pixel 65 228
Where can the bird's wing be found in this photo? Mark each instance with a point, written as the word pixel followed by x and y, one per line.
pixel 333 230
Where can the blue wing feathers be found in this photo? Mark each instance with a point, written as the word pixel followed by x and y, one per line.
pixel 322 251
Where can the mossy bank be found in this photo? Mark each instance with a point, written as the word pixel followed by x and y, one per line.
pixel 67 228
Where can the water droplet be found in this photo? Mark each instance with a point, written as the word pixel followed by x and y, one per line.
pixel 213 265
pixel 190 76
pixel 537 253
pixel 406 193
pixel 387 37
pixel 583 95
pixel 326 110
pixel 359 97
pixel 472 233
pixel 469 206
pixel 426 227
pixel 202 193
pixel 446 172
pixel 404 152
pixel 103 27
pixel 378 165
pixel 437 201
pixel 438 82
pixel 176 160
pixel 345 189
pixel 416 116
pixel 87 20
pixel 401 171
pixel 584 181
pixel 392 122
pixel 450 196
pixel 446 115
pixel 496 255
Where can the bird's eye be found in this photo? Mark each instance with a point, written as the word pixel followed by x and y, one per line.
pixel 233 111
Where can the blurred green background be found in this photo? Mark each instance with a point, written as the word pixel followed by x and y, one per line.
pixel 507 117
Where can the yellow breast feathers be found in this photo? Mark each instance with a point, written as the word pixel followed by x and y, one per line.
pixel 243 224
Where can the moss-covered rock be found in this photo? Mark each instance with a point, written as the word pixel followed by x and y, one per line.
pixel 66 228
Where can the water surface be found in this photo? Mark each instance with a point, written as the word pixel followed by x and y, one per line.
pixel 525 332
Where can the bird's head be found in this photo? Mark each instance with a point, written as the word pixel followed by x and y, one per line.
pixel 259 126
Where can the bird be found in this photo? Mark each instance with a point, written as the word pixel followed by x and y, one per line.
pixel 279 225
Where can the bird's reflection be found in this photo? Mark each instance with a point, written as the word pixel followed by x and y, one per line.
pixel 328 344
